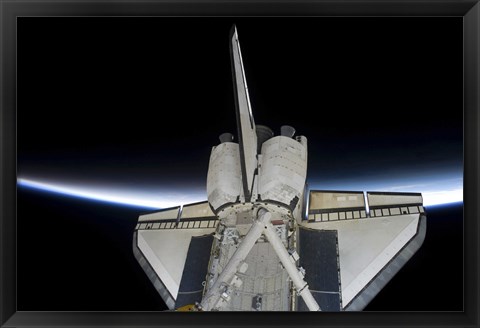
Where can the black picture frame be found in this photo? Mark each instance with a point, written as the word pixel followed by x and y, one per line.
pixel 9 11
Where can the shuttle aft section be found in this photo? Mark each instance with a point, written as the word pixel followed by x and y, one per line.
pixel 263 242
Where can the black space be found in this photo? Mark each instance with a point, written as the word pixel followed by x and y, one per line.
pixel 77 255
pixel 112 98
pixel 141 101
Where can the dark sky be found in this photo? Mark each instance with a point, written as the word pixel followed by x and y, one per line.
pixel 138 103
pixel 141 101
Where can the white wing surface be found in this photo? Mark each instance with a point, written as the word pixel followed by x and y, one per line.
pixel 365 248
pixel 173 247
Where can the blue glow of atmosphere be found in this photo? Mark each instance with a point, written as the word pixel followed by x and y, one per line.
pixel 434 191
pixel 129 197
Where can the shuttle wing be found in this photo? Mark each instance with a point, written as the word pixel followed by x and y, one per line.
pixel 173 247
pixel 246 126
pixel 349 254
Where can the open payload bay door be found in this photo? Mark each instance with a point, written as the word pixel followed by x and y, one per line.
pixel 350 253
pixel 173 248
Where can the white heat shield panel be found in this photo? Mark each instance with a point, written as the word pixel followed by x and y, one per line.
pixel 283 171
pixel 164 214
pixel 336 205
pixel 196 210
pixel 224 177
pixel 324 200
pixel 387 199
pixel 388 203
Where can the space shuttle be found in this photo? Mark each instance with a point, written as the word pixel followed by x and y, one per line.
pixel 262 241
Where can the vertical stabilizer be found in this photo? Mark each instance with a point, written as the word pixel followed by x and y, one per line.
pixel 246 126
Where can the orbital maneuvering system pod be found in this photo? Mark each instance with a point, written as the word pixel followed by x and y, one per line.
pixel 263 242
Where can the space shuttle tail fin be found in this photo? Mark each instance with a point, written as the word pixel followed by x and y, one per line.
pixel 247 136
